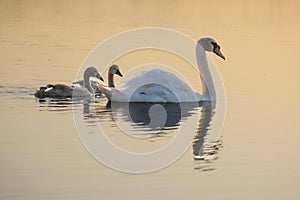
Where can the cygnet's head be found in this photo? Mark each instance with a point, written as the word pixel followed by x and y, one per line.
pixel 114 69
pixel 92 72
pixel 211 45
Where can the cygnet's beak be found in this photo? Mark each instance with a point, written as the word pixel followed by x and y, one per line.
pixel 218 52
pixel 98 76
pixel 119 73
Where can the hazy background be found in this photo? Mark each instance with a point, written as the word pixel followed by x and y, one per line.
pixel 46 41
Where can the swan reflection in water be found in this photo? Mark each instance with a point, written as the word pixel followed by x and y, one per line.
pixel 155 119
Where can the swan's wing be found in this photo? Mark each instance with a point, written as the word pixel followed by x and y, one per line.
pixel 81 83
pixel 153 93
pixel 158 86
pixel 80 92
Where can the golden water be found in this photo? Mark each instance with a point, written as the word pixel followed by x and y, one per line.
pixel 40 152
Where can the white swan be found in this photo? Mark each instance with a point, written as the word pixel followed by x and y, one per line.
pixel 161 86
pixel 68 91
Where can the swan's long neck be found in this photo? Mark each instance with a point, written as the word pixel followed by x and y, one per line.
pixel 208 88
pixel 111 80
pixel 87 83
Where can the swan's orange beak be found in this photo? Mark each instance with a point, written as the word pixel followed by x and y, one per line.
pixel 218 52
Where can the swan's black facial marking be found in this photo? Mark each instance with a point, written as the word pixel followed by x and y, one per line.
pixel 216 50
pixel 216 46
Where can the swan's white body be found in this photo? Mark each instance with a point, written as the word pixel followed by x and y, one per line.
pixel 161 86
pixel 153 86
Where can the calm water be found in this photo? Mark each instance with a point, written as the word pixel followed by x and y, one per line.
pixel 42 156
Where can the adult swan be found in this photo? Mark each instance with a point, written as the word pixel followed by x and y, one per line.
pixel 161 86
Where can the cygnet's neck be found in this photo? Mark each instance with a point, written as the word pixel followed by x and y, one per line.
pixel 111 79
pixel 87 83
